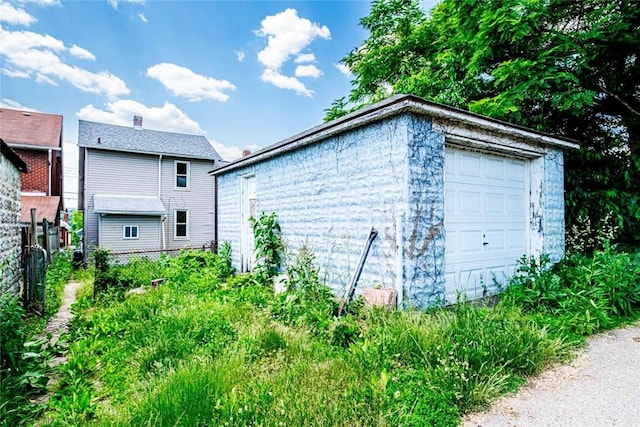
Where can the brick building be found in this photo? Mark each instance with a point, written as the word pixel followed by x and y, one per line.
pixel 37 139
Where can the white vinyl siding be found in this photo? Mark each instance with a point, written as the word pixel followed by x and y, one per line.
pixel 112 232
pixel 112 172
pixel 198 201
pixel 182 176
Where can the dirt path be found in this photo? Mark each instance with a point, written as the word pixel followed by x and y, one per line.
pixel 58 325
pixel 600 388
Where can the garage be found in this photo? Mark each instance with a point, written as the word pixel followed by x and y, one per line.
pixel 456 199
pixel 485 219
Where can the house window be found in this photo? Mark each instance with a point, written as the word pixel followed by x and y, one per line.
pixel 182 175
pixel 130 232
pixel 181 224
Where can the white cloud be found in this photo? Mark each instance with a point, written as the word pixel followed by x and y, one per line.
pixel 287 35
pixel 231 152
pixel 344 70
pixel 13 15
pixel 305 57
pixel 81 53
pixel 41 78
pixel 143 18
pixel 16 73
pixel 42 2
pixel 29 52
pixel 285 82
pixel 181 81
pixel 308 71
pixel 114 3
pixel 240 55
pixel 14 105
pixel 167 118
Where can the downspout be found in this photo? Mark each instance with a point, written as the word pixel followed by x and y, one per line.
pixel 215 213
pixel 163 244
pixel 50 174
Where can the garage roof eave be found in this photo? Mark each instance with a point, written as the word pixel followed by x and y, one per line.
pixel 389 107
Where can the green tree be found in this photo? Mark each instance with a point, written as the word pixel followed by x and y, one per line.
pixel 76 225
pixel 566 67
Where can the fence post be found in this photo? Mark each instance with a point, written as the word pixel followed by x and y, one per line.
pixel 46 244
pixel 34 228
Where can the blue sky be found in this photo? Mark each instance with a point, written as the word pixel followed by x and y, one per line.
pixel 244 74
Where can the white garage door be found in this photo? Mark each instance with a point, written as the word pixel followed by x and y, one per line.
pixel 486 205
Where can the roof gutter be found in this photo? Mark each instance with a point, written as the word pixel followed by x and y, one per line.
pixel 33 147
pixel 390 107
pixel 150 153
pixel 102 212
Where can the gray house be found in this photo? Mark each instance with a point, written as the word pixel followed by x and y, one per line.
pixel 144 189
pixel 11 165
pixel 456 198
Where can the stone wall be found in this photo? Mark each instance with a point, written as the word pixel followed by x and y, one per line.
pixel 10 240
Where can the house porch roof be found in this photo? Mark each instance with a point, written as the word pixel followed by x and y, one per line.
pixel 112 204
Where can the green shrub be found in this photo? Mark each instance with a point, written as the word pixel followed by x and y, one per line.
pixel 589 293
pixel 22 365
pixel 12 334
pixel 268 246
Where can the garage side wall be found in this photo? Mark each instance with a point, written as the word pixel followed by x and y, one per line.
pixel 553 205
pixel 423 232
pixel 328 195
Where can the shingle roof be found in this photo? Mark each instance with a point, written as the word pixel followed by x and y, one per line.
pixel 13 156
pixel 30 128
pixel 121 138
pixel 128 205
pixel 46 207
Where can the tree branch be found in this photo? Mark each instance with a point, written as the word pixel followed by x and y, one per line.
pixel 619 99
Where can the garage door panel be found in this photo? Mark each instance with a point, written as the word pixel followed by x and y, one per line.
pixel 470 203
pixel 486 208
pixel 469 164
pixel 494 168
pixel 470 241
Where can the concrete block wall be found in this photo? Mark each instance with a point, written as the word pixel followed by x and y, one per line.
pixel 329 195
pixel 553 205
pixel 423 235
pixel 10 239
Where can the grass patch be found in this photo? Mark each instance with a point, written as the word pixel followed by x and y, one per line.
pixel 212 348
pixel 23 359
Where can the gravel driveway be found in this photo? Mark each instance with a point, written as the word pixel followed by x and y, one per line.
pixel 601 387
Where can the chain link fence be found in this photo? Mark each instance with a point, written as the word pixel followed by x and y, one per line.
pixel 153 254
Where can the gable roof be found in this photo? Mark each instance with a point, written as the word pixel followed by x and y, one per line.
pixel 46 207
pixel 128 205
pixel 30 128
pixel 13 156
pixel 389 107
pixel 122 138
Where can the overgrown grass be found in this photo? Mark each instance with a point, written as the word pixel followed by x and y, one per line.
pixel 211 348
pixel 23 359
